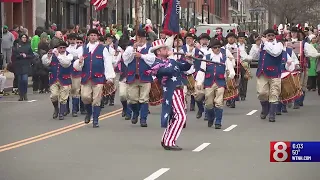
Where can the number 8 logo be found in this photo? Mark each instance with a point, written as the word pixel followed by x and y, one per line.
pixel 280 151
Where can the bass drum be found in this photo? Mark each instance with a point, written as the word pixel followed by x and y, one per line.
pixel 155 94
pixel 231 91
pixel 289 89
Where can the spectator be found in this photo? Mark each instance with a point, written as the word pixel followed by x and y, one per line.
pixel 2 83
pixel 6 45
pixel 36 39
pixel 23 56
pixel 55 40
pixel 14 32
pixel 42 70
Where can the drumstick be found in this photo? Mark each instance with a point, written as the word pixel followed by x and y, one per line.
pixel 199 59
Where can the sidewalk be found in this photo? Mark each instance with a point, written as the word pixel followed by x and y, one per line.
pixel 9 82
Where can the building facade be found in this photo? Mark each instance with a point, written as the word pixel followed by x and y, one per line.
pixel 218 11
pixel 21 14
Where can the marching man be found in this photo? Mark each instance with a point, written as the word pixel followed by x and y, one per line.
pixel 138 59
pixel 96 69
pixel 75 75
pixel 59 62
pixel 268 73
pixel 212 77
pixel 173 113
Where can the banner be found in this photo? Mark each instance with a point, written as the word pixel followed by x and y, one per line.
pixel 99 4
pixel 171 10
pixel 11 1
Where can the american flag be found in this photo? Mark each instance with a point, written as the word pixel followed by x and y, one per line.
pixel 99 4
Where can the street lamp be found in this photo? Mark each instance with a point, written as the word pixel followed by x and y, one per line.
pixel 191 3
pixel 256 12
pixel 202 11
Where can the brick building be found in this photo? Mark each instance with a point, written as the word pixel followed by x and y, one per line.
pixel 22 13
pixel 218 10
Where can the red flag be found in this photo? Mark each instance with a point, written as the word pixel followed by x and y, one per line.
pixel 99 4
pixel 11 1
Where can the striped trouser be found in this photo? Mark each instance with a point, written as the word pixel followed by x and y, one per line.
pixel 175 126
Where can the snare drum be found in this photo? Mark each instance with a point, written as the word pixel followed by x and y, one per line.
pixel 289 90
pixel 191 84
pixel 297 82
pixel 155 94
pixel 231 91
pixel 109 88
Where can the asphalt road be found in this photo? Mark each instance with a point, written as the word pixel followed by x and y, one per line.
pixel 119 150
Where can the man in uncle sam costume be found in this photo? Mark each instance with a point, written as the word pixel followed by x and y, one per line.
pixel 169 72
pixel 96 67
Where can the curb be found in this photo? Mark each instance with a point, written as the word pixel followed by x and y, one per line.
pixel 6 89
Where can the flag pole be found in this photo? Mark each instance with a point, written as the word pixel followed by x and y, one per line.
pixel 136 7
pixel 91 17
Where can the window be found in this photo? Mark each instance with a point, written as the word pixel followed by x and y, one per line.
pixel 217 7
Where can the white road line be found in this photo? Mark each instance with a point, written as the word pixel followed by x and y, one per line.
pixel 157 174
pixel 32 101
pixel 201 147
pixel 230 128
pixel 252 112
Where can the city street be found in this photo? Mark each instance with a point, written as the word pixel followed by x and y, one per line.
pixel 33 146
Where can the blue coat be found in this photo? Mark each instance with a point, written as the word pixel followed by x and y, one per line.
pixel 139 67
pixel 215 72
pixel 59 73
pixel 170 76
pixel 93 68
pixel 268 65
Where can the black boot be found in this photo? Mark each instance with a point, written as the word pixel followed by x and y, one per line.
pixel 111 102
pixel 102 102
pixel 20 97
pixel 265 109
pixel 106 99
pixel 56 110
pixel 124 108
pixel 25 97
pixel 272 112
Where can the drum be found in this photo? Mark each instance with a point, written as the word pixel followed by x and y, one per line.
pixel 155 94
pixel 231 91
pixel 297 82
pixel 191 84
pixel 109 88
pixel 289 90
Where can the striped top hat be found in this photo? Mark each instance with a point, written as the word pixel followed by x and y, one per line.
pixel 158 44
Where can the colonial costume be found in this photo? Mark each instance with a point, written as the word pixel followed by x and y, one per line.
pixel 304 51
pixel 190 48
pixel 212 77
pixel 139 61
pixel 75 75
pixel 59 63
pixel 96 68
pixel 268 73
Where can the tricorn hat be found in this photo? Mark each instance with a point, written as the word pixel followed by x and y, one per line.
pixel 204 36
pixel 93 31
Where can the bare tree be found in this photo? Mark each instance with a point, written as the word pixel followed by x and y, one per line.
pixel 291 10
